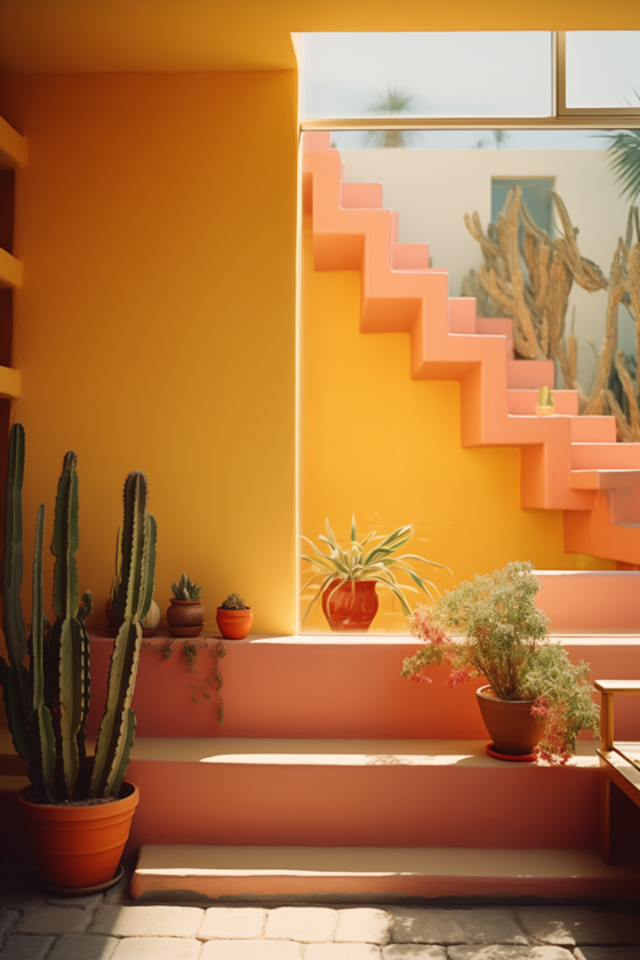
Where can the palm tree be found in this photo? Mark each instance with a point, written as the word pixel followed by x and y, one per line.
pixel 624 160
pixel 395 101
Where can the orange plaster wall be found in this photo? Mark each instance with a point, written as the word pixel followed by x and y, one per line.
pixel 388 447
pixel 156 325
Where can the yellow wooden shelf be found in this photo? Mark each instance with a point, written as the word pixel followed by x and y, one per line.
pixel 13 147
pixel 10 270
pixel 9 382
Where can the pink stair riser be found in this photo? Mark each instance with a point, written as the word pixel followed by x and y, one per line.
pixel 356 804
pixel 530 374
pixel 605 455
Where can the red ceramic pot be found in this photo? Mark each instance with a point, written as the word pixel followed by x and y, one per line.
pixel 78 846
pixel 511 727
pixel 186 618
pixel 234 624
pixel 350 604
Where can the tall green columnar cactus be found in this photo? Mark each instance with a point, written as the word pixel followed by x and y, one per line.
pixel 131 600
pixel 69 644
pixel 16 680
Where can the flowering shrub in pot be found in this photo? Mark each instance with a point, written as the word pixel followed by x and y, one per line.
pixel 491 627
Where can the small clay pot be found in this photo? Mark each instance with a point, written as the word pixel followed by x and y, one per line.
pixel 186 618
pixel 234 624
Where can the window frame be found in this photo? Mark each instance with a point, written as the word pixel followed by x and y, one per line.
pixel 560 116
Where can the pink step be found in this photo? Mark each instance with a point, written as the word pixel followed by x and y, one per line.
pixel 523 402
pixel 605 480
pixel 327 793
pixel 577 600
pixel 602 456
pixel 593 429
pixel 394 226
pixel 462 315
pixel 409 256
pixel 497 325
pixel 373 874
pixel 530 374
pixel 361 196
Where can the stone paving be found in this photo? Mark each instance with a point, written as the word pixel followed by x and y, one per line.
pixel 35 925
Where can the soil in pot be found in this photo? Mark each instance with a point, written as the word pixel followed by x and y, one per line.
pixel 79 845
pixel 350 606
pixel 514 732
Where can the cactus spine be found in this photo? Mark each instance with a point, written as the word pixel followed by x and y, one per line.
pixel 131 600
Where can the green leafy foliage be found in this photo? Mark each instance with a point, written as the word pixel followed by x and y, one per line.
pixel 185 589
pixel 491 627
pixel 624 160
pixel 371 558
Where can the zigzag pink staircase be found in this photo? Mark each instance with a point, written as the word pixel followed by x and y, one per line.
pixel 569 463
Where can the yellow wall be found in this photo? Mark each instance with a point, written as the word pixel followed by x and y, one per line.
pixel 388 447
pixel 155 328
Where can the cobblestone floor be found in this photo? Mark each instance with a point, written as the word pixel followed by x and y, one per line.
pixel 37 926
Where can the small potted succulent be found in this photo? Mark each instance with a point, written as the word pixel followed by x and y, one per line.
pixel 536 701
pixel 186 612
pixel 546 406
pixel 348 576
pixel 234 618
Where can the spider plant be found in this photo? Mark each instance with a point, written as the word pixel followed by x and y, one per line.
pixel 372 558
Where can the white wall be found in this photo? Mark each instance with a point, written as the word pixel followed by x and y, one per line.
pixel 433 189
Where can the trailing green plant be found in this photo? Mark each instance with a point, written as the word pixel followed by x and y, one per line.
pixel 212 683
pixel 491 627
pixel 185 589
pixel 234 602
pixel 47 704
pixel 371 558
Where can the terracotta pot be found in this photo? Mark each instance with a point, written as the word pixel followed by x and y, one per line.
pixel 234 624
pixel 186 618
pixel 350 606
pixel 511 727
pixel 79 846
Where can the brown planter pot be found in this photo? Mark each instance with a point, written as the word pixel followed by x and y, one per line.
pixel 79 846
pixel 186 618
pixel 234 624
pixel 511 727
pixel 350 606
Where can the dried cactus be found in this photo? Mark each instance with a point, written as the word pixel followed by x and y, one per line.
pixel 48 704
pixel 185 589
pixel 234 602
pixel 538 304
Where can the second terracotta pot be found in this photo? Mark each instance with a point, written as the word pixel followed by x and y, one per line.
pixel 511 727
pixel 186 618
pixel 351 605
